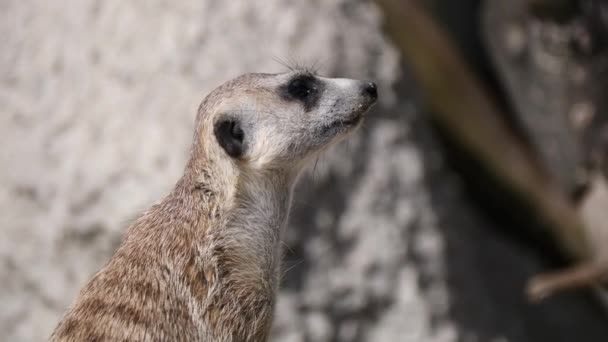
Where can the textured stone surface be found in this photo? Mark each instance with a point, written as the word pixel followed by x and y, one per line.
pixel 98 100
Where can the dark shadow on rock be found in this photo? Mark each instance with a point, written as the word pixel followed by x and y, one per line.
pixel 487 268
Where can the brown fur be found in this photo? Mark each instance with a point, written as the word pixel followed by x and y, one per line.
pixel 185 270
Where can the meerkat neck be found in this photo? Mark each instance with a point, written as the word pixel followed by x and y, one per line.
pixel 260 217
pixel 251 211
pixel 244 249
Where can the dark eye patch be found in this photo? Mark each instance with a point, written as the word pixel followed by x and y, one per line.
pixel 230 135
pixel 305 88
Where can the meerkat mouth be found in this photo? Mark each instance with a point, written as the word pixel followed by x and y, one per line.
pixel 341 125
pixel 349 122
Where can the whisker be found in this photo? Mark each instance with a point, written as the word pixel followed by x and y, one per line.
pixel 283 63
pixel 299 262
pixel 287 246
pixel 314 168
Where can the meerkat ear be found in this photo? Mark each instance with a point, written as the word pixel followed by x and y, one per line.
pixel 230 136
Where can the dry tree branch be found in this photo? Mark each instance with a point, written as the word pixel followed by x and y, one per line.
pixel 460 105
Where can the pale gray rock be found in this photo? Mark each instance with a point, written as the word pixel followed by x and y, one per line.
pixel 98 100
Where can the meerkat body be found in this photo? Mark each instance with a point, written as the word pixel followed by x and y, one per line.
pixel 203 265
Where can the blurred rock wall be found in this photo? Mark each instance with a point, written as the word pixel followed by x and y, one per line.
pixel 97 102
pixel 97 105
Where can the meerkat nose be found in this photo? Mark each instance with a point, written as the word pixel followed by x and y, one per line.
pixel 370 89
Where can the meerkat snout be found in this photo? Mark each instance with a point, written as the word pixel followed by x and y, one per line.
pixel 204 264
pixel 370 89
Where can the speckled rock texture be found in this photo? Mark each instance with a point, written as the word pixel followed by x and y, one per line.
pixel 98 100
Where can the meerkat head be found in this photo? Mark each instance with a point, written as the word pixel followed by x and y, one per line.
pixel 270 121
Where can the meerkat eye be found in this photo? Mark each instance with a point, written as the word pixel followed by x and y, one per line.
pixel 230 136
pixel 305 88
pixel 302 86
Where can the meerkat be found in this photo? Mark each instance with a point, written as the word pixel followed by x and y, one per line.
pixel 204 263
